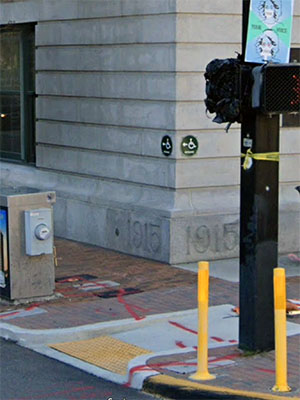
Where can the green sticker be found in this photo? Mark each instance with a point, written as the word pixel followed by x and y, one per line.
pixel 166 145
pixel 189 145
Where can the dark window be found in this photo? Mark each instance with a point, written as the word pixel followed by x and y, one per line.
pixel 292 119
pixel 17 92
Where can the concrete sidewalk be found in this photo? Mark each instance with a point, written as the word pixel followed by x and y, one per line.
pixel 134 321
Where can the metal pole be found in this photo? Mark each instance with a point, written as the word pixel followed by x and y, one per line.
pixel 258 226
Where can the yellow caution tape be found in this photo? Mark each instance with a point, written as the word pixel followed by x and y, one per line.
pixel 273 156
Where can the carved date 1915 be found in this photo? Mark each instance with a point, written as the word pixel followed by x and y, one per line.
pixel 217 238
pixel 146 236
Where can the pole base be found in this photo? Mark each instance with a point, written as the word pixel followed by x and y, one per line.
pixel 281 388
pixel 202 376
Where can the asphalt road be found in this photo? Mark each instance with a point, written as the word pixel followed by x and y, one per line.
pixel 25 375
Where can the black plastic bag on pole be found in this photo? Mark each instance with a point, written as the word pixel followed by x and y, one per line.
pixel 223 90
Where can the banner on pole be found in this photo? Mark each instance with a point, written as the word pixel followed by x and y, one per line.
pixel 269 31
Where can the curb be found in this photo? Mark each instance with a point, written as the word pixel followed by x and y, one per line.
pixel 181 389
pixel 82 332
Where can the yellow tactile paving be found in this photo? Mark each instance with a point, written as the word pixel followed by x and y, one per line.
pixel 105 352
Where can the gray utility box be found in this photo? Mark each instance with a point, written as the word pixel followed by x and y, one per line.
pixel 26 243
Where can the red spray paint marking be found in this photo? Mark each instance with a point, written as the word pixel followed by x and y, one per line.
pixel 61 290
pixel 75 279
pixel 224 358
pixel 217 339
pixel 233 341
pixel 70 280
pixel 133 370
pixel 90 396
pixel 294 257
pixel 9 314
pixel 151 367
pixel 183 327
pixel 130 307
pixel 183 346
pixel 30 308
pixel 180 344
pixel 110 313
pixel 268 371
pixel 67 392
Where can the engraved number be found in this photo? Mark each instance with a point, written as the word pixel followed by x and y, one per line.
pixel 146 235
pixel 216 238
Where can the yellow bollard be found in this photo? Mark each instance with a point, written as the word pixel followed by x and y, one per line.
pixel 202 373
pixel 280 331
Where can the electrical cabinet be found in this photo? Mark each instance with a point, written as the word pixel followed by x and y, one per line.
pixel 26 243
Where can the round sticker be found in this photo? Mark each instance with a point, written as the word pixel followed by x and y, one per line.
pixel 189 145
pixel 166 145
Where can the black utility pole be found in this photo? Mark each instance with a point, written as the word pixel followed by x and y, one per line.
pixel 258 225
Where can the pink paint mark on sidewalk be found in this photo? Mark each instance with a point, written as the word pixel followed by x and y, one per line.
pixel 154 368
pixel 217 339
pixel 133 370
pixel 185 328
pixel 101 311
pixel 130 307
pixel 180 344
pixel 268 371
pixel 228 357
pixel 23 312
pixel 294 257
pixel 31 308
pixel 65 393
pixel 9 314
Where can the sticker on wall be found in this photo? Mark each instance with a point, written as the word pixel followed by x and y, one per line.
pixel 166 145
pixel 189 145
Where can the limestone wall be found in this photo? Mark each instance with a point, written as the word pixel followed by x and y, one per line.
pixel 112 78
pixel 208 30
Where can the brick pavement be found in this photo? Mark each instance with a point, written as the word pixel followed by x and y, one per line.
pixel 250 373
pixel 160 288
pixel 78 258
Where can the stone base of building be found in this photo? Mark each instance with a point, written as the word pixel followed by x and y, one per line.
pixel 164 225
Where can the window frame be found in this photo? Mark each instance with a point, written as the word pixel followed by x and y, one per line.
pixel 27 95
